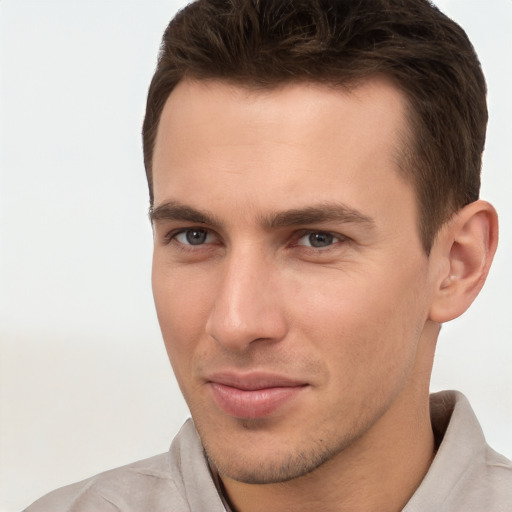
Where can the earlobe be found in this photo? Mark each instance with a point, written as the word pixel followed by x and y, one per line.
pixel 465 246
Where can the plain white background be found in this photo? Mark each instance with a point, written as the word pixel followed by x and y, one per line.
pixel 85 382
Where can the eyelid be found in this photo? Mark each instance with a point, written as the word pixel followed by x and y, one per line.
pixel 338 237
pixel 303 232
pixel 171 235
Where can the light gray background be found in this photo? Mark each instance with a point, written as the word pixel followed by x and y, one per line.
pixel 85 382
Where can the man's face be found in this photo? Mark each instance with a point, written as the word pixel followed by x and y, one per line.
pixel 289 277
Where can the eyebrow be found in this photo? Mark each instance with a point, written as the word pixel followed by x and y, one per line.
pixel 318 214
pixel 174 210
pixel 315 214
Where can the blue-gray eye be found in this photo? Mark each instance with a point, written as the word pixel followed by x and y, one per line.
pixel 318 240
pixel 192 236
pixel 196 236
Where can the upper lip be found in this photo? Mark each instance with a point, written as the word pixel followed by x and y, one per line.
pixel 253 381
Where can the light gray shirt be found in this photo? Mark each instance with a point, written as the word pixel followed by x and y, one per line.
pixel 465 476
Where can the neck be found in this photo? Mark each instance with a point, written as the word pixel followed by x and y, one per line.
pixel 377 473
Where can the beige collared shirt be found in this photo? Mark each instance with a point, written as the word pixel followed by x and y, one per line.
pixel 465 476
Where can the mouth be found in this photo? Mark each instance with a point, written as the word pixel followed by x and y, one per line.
pixel 255 395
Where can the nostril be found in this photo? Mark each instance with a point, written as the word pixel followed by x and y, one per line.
pixel 237 329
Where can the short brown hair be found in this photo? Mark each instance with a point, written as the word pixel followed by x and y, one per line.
pixel 265 43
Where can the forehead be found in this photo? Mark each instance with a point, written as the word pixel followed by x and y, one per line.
pixel 222 143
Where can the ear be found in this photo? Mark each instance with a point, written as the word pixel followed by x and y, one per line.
pixel 461 256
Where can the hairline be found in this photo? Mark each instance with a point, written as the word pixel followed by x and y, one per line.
pixel 404 152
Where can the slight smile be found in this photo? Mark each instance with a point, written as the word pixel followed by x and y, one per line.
pixel 252 396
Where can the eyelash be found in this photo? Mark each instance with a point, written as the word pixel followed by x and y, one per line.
pixel 337 238
pixel 171 237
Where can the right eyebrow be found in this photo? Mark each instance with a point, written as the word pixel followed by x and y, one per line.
pixel 318 214
pixel 173 210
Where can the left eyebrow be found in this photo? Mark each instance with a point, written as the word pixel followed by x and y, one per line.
pixel 318 214
pixel 174 210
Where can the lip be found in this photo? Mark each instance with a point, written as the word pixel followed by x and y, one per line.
pixel 254 395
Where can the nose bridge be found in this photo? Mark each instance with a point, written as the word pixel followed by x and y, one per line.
pixel 246 307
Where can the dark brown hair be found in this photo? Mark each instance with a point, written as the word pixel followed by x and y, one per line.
pixel 265 43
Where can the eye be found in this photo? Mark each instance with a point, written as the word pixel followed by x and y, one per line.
pixel 194 236
pixel 318 239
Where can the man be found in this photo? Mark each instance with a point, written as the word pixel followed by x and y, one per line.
pixel 313 169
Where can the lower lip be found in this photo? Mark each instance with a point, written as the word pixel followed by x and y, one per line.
pixel 251 404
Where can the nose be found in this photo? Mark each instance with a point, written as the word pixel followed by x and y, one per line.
pixel 247 307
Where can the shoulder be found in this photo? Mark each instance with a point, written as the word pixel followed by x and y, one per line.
pixel 144 485
pixel 484 478
pixel 498 471
pixel 177 480
pixel 484 484
pixel 466 473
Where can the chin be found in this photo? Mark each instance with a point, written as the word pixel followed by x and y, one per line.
pixel 269 466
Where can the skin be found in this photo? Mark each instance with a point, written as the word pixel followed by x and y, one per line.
pixel 346 304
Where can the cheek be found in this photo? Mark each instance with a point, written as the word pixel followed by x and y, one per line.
pixel 182 306
pixel 367 323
